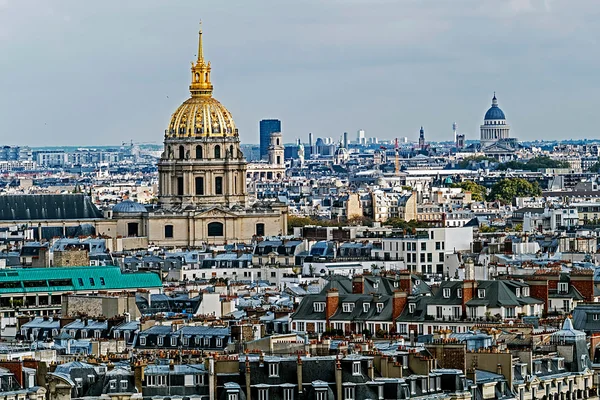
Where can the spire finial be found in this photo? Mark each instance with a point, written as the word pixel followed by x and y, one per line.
pixel 200 51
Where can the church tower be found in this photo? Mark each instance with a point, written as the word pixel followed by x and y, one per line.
pixel 202 165
pixel 276 149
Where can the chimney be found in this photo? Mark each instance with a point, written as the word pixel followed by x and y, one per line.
pixel 358 284
pixel 399 300
pixel 583 281
pixel 332 303
pixel 499 369
pixel 539 290
pixel 405 281
pixel 338 378
pixel 171 365
pixel 472 375
pixel 468 292
pixel 248 380
pixel 299 376
pixel 138 376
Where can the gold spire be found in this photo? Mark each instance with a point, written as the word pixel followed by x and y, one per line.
pixel 200 51
pixel 201 85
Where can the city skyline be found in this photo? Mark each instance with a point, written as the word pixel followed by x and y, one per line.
pixel 116 73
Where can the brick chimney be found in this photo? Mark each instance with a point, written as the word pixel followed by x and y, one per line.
pixel 332 303
pixel 399 300
pixel 358 284
pixel 405 279
pixel 468 292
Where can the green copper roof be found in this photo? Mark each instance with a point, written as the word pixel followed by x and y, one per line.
pixel 43 280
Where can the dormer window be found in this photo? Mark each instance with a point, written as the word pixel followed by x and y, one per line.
pixel 411 308
pixel 379 307
pixel 417 282
pixel 347 307
pixel 356 368
pixel 395 284
pixel 525 292
pixel 366 307
pixel 319 306
pixel 459 293
pixel 518 292
pixel 481 293
pixel 563 287
pixel 446 293
pixel 274 369
pixel 376 285
pixel 560 363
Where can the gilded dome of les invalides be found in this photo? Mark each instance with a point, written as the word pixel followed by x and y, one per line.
pixel 201 115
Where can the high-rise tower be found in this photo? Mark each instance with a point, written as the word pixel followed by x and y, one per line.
pixel 267 127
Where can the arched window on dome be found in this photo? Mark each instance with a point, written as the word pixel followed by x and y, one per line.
pixel 231 151
pixel 199 152
pixel 217 151
pixel 181 152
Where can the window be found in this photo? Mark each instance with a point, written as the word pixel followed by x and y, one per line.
pixel 160 341
pixel 438 312
pixel 198 152
pixel 206 341
pixel 481 293
pixel 219 185
pixel 379 307
pixel 366 307
pixel 347 307
pixel 142 341
pixel 456 313
pixel 429 257
pixel 422 257
pixel 168 231
pixel 518 292
pixel 113 384
pixel 80 281
pixel 321 395
pixel 156 380
pixel 219 342
pixel 423 246
pixel 186 340
pixel 263 394
pixel 441 257
pixel 92 283
pixel 510 312
pixel 173 340
pixel 446 293
pixel 232 396
pixel 260 229
pixel 288 394
pixel 199 186
pixel 217 151
pixel 356 368
pixel 215 229
pixel 438 245
pixel 124 385
pixel 459 293
pixel 97 334
pixel 274 369
pixel 179 186
pixel 563 287
pixel 102 282
pixel 319 306
pixel 411 308
pixel 349 393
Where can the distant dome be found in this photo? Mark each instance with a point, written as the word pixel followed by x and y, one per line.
pixel 494 112
pixel 128 206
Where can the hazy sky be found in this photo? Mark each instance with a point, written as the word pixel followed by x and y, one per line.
pixel 99 72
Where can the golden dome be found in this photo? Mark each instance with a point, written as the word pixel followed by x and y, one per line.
pixel 201 115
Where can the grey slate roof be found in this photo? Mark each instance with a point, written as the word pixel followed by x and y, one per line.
pixel 47 206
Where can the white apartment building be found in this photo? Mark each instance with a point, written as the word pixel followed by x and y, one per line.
pixel 425 250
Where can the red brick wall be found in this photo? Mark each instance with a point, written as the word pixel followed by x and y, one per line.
pixel 405 283
pixel 399 300
pixel 16 367
pixel 585 285
pixel 539 290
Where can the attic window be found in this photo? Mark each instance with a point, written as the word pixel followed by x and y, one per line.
pixel 459 293
pixel 446 293
pixel 366 307
pixel 113 384
pixel 379 307
pixel 348 307
pixel 518 292
pixel 356 368
pixel 375 285
pixel 481 293
pixel 102 282
pixel 417 282
pixel 274 369
pixel 411 308
pixel 319 306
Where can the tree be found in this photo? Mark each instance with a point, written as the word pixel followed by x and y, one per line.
pixel 508 189
pixel 595 168
pixel 534 164
pixel 477 191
